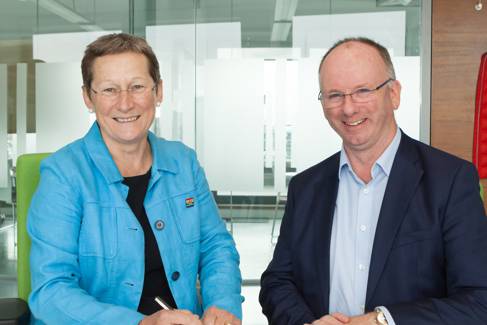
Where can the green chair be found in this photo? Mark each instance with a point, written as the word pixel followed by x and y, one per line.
pixel 15 310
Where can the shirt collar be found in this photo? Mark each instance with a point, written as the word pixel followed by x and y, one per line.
pixel 103 160
pixel 162 157
pixel 385 160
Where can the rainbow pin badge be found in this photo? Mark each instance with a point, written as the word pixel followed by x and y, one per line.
pixel 189 202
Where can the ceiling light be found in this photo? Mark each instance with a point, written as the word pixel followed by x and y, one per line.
pixel 280 31
pixel 285 10
pixel 283 16
pixel 384 3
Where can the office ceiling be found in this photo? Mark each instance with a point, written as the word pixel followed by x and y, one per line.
pixel 19 19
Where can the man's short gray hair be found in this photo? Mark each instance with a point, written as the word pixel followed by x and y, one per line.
pixel 384 54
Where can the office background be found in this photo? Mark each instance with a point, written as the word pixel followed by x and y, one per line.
pixel 240 86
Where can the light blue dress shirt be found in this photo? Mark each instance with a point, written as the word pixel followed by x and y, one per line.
pixel 354 223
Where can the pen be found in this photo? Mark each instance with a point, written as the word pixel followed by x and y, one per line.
pixel 162 303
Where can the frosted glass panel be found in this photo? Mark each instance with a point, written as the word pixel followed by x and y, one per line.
pixel 70 47
pixel 408 73
pixel 174 46
pixel 313 138
pixel 181 38
pixel 61 115
pixel 322 31
pixel 231 147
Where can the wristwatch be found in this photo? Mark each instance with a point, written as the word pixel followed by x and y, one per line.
pixel 380 318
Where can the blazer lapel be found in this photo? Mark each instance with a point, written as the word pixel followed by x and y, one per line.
pixel 324 200
pixel 403 180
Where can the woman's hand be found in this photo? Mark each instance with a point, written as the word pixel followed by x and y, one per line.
pixel 216 316
pixel 172 317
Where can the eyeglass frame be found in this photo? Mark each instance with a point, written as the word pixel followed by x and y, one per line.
pixel 351 94
pixel 119 91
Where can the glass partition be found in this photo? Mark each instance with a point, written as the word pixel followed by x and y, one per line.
pixel 240 87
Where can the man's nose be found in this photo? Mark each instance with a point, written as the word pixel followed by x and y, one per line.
pixel 349 107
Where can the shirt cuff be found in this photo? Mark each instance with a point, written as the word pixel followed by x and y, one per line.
pixel 387 314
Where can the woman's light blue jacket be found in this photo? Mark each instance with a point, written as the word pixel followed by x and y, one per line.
pixel 87 254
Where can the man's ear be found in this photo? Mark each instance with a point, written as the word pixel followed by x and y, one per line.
pixel 395 93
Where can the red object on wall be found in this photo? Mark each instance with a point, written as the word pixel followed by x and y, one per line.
pixel 479 152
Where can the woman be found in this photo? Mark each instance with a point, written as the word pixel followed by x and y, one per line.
pixel 121 216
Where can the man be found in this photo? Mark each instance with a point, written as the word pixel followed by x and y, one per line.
pixel 386 231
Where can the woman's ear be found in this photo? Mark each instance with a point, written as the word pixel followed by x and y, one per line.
pixel 87 99
pixel 159 93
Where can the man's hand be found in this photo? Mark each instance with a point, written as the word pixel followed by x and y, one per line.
pixel 332 319
pixel 216 316
pixel 366 319
pixel 172 317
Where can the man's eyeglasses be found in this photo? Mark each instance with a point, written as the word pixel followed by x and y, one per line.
pixel 113 93
pixel 361 95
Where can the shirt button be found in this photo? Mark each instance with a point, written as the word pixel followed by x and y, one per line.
pixel 366 190
pixel 361 267
pixel 363 228
pixel 175 276
pixel 159 224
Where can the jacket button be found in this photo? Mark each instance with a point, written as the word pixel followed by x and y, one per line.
pixel 159 224
pixel 175 276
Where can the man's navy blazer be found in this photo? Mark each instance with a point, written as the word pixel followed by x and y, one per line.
pixel 429 257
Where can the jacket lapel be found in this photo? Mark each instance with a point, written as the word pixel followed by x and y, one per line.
pixel 324 200
pixel 405 175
